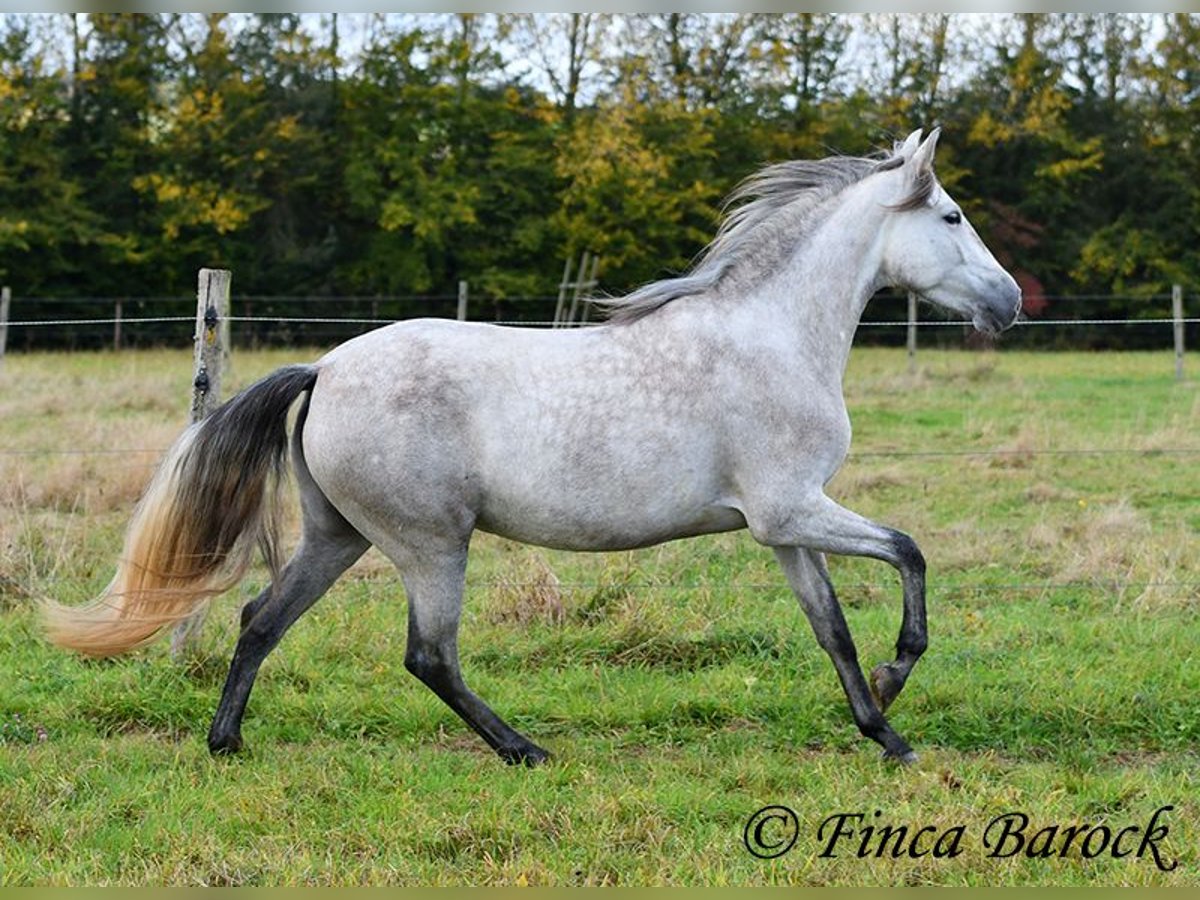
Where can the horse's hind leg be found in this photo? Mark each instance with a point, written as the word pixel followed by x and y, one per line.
pixel 434 581
pixel 329 547
pixel 806 573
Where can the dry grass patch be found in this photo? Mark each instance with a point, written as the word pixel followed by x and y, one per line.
pixel 1115 547
pixel 1044 492
pixel 526 594
pixel 857 480
pixel 966 545
pixel 80 484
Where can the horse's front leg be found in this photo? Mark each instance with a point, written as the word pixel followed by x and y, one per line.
pixel 806 573
pixel 887 678
pixel 821 524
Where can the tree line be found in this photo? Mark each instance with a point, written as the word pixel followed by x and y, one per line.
pixel 381 155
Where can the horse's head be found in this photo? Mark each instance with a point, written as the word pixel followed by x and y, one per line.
pixel 931 249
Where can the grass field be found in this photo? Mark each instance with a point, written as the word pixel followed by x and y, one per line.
pixel 678 687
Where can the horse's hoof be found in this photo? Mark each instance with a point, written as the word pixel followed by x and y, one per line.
pixel 225 746
pixel 529 755
pixel 904 757
pixel 885 684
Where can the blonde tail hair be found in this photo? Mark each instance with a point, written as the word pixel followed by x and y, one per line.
pixel 193 534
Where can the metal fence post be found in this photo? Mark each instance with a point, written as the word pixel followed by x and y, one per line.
pixel 912 334
pixel 5 300
pixel 462 301
pixel 1177 315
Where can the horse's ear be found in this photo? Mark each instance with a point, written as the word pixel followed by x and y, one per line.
pixel 908 146
pixel 922 157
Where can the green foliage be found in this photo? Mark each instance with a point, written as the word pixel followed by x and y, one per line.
pixel 1132 260
pixel 444 175
pixel 43 213
pixel 117 105
pixel 636 190
pixel 374 154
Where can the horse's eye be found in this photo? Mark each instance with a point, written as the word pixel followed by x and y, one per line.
pixel 952 218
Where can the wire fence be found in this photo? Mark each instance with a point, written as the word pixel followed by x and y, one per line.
pixel 854 454
pixel 343 320
pixel 847 589
pixel 273 325
pixel 403 307
pixel 1062 321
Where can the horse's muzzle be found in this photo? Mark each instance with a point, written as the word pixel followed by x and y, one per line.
pixel 1001 309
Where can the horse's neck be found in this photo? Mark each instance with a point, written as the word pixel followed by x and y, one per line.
pixel 824 286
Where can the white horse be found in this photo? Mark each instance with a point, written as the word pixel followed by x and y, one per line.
pixel 707 403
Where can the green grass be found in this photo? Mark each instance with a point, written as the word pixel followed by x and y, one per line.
pixel 678 687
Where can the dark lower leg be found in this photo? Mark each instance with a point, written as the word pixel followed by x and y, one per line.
pixel 306 577
pixel 438 670
pixel 435 588
pixel 888 678
pixel 810 582
pixel 225 733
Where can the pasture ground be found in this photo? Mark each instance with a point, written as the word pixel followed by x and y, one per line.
pixel 678 687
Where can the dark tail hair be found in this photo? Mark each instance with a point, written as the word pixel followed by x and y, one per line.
pixel 192 536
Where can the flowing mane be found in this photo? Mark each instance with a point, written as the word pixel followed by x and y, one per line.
pixel 798 187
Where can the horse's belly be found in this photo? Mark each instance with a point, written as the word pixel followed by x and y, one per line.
pixel 590 527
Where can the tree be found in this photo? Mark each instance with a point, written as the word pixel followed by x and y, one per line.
pixel 1147 206
pixel 695 59
pixel 298 119
pixel 1102 55
pixel 911 71
pixel 1022 153
pixel 797 108
pixel 121 68
pixel 228 160
pixel 802 54
pixel 563 47
pixel 449 172
pixel 635 188
pixel 44 221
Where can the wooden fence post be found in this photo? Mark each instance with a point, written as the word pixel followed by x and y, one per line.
pixel 462 301
pixel 588 285
pixel 118 309
pixel 562 294
pixel 1177 314
pixel 212 306
pixel 5 300
pixel 912 334
pixel 212 311
pixel 577 286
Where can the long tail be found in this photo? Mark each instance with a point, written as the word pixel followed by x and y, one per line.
pixel 213 498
